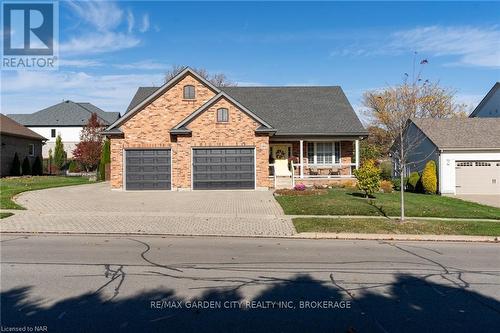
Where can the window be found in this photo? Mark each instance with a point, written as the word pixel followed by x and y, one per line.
pixel 222 115
pixel 31 149
pixel 189 92
pixel 323 153
pixel 53 133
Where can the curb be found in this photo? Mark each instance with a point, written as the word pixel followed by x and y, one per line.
pixel 397 237
pixel 299 236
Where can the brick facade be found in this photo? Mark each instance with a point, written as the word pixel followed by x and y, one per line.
pixel 150 128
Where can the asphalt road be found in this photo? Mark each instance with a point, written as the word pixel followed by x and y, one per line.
pixel 178 284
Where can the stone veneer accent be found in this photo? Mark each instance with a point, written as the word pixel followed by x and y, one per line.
pixel 150 128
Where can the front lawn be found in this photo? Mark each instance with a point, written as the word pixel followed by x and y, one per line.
pixel 9 187
pixel 339 201
pixel 387 226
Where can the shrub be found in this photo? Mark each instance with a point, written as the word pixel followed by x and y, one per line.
pixel 37 169
pixel 26 167
pixel 15 169
pixel 293 192
pixel 73 166
pixel 299 187
pixel 429 178
pixel 105 159
pixel 387 186
pixel 368 176
pixel 59 153
pixel 349 184
pixel 397 183
pixel 413 181
pixel 386 170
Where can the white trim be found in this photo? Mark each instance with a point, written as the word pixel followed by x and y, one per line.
pixel 357 153
pixel 301 149
pixel 255 167
pixel 124 175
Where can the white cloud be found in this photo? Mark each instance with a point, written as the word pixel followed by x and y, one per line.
pixel 130 21
pixel 143 65
pixel 103 15
pixel 110 92
pixel 80 63
pixel 98 43
pixel 145 23
pixel 108 28
pixel 476 46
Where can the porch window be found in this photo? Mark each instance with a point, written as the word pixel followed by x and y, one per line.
pixel 323 153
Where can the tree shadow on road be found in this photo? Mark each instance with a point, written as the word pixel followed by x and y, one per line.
pixel 409 304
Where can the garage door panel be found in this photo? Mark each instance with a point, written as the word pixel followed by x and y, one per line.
pixel 477 177
pixel 223 168
pixel 148 169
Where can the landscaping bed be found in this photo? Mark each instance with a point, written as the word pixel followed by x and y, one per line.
pixel 344 201
pixel 389 226
pixel 9 187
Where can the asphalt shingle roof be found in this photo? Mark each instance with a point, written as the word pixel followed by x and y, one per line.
pixel 292 110
pixel 67 113
pixel 10 127
pixel 462 132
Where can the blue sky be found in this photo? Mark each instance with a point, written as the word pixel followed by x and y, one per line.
pixel 108 49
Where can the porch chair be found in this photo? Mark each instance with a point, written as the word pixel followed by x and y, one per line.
pixel 281 168
pixel 313 172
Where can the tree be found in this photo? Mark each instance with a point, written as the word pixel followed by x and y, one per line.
pixel 59 153
pixel 217 79
pixel 26 167
pixel 15 169
pixel 105 159
pixel 88 150
pixel 37 169
pixel 368 176
pixel 429 178
pixel 392 107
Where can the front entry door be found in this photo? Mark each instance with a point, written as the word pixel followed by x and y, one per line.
pixel 281 151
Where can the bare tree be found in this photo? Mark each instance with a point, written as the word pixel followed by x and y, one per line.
pixel 217 79
pixel 393 107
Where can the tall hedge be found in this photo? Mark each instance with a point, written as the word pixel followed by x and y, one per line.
pixel 15 169
pixel 59 153
pixel 105 159
pixel 26 168
pixel 429 178
pixel 37 169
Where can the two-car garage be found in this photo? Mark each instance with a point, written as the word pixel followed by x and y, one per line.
pixel 477 177
pixel 212 169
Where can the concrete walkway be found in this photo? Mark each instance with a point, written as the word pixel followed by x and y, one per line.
pixel 489 200
pixel 96 208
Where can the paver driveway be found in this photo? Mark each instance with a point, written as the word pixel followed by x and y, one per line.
pixel 97 209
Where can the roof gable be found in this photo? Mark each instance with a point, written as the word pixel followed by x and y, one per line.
pixel 67 113
pixel 137 105
pixel 485 100
pixel 461 133
pixel 11 127
pixel 214 100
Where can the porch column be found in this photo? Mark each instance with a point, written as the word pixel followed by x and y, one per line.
pixel 301 160
pixel 357 153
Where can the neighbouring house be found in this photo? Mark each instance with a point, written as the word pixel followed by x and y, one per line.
pixel 65 119
pixel 15 138
pixel 189 134
pixel 466 152
pixel 489 107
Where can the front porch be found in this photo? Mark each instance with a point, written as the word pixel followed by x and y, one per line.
pixel 313 160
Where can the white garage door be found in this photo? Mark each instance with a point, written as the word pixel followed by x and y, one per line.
pixel 477 177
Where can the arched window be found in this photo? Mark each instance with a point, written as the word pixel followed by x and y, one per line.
pixel 189 92
pixel 222 115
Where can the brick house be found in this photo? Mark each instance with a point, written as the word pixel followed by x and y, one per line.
pixel 189 134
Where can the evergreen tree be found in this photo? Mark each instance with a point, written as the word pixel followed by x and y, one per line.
pixel 59 153
pixel 37 169
pixel 26 168
pixel 15 169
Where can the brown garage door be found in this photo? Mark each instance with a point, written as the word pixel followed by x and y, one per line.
pixel 477 177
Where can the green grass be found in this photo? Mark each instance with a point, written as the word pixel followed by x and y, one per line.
pixel 387 226
pixel 340 201
pixel 9 187
pixel 4 215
